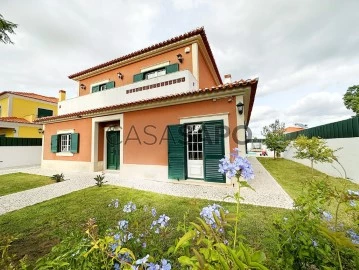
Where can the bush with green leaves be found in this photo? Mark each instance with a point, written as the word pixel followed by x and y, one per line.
pixel 315 149
pixel 313 238
pixel 100 180
pixel 274 138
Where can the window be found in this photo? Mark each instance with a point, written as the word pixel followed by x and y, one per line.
pixel 156 73
pixel 194 142
pixel 44 112
pixel 102 87
pixel 65 142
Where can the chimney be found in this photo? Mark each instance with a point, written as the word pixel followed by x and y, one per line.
pixel 62 95
pixel 227 78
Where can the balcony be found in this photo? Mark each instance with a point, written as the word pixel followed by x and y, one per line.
pixel 173 83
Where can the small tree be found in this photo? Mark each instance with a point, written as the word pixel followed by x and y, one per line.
pixel 351 99
pixel 315 149
pixel 275 138
pixel 5 28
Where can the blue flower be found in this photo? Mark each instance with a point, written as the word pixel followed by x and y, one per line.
pixel 353 192
pixel 144 245
pixel 114 203
pixel 129 207
pixel 143 260
pixel 165 265
pixel 153 266
pixel 239 166
pixel 123 224
pixel 315 243
pixel 354 236
pixel 327 216
pixel 352 203
pixel 116 266
pixel 163 220
pixel 207 214
pixel 154 212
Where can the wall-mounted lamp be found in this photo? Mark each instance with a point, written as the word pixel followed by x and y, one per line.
pixel 240 107
pixel 41 131
pixel 82 86
pixel 14 130
pixel 180 58
pixel 120 76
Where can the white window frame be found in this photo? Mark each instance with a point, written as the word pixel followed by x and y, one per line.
pixel 68 132
pixel 155 73
pixel 65 143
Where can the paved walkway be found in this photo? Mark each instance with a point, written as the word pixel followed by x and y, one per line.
pixel 267 191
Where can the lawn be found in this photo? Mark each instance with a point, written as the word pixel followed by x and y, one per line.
pixel 292 176
pixel 42 226
pixel 15 182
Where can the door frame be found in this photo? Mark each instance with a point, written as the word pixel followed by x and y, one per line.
pixel 185 125
pixel 210 117
pixel 106 129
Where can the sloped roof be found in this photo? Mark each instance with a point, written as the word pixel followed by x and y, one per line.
pixel 292 129
pixel 242 83
pixel 31 95
pixel 198 31
pixel 14 120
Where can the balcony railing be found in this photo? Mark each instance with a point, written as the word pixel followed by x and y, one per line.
pixel 173 83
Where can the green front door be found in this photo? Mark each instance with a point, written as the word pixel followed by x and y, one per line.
pixel 113 150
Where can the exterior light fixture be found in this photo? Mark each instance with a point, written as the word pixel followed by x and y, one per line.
pixel 82 86
pixel 14 130
pixel 240 107
pixel 180 58
pixel 120 76
pixel 41 131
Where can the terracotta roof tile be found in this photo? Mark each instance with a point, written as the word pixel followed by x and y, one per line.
pixel 14 120
pixel 242 83
pixel 292 129
pixel 197 31
pixel 31 95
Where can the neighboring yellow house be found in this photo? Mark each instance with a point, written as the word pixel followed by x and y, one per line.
pixel 18 110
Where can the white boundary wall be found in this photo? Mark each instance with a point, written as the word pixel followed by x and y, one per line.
pixel 19 156
pixel 348 156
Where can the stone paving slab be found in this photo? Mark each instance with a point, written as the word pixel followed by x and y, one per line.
pixel 267 191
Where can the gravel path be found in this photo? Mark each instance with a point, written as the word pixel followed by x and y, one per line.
pixel 267 191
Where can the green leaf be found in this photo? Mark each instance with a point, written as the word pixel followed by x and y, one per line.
pixel 246 253
pixel 240 264
pixel 223 262
pixel 205 226
pixel 258 256
pixel 187 236
pixel 184 260
pixel 199 257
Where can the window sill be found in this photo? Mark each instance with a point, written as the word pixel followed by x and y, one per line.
pixel 64 154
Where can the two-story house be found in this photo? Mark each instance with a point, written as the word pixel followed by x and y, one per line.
pixel 19 110
pixel 162 112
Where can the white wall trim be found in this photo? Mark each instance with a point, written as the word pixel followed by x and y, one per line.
pixel 94 145
pixel 64 154
pixel 65 131
pixel 69 165
pixel 98 83
pixel 241 136
pixel 156 66
pixel 195 61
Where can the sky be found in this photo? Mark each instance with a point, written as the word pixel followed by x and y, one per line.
pixel 305 53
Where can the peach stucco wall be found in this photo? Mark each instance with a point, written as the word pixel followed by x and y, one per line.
pixel 82 126
pixel 205 77
pixel 143 130
pixel 129 70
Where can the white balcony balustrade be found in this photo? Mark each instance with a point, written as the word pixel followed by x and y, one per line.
pixel 173 83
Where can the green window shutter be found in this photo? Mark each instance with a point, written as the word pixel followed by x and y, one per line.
pixel 74 148
pixel 95 88
pixel 138 77
pixel 44 112
pixel 213 150
pixel 54 144
pixel 110 85
pixel 172 68
pixel 176 152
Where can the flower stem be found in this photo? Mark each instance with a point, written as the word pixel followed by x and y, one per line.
pixel 237 213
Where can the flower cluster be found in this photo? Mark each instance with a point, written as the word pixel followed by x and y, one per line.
pixel 237 166
pixel 129 207
pixel 327 216
pixel 207 214
pixel 161 222
pixel 114 203
pixel 354 236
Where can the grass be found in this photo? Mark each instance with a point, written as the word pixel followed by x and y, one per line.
pixel 40 227
pixel 15 182
pixel 292 176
